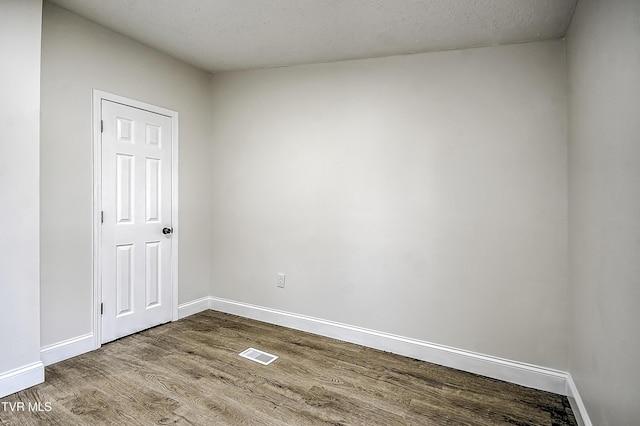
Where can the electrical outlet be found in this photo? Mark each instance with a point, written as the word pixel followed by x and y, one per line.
pixel 280 282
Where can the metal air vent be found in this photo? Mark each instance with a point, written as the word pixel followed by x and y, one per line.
pixel 258 356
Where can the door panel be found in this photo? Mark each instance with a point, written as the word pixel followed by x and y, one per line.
pixel 153 262
pixel 124 279
pixel 152 193
pixel 136 201
pixel 124 188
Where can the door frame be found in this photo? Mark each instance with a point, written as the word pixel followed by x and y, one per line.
pixel 96 113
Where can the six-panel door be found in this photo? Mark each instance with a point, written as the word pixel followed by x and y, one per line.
pixel 136 204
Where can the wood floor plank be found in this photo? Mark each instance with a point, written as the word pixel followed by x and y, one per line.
pixel 189 373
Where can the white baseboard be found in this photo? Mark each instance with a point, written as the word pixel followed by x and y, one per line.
pixel 579 410
pixel 21 378
pixel 510 371
pixel 193 307
pixel 533 376
pixel 66 349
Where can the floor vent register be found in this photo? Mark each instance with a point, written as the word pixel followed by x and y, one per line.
pixel 258 356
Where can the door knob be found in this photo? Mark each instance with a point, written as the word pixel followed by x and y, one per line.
pixel 167 231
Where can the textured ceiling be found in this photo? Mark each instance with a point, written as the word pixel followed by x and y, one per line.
pixel 222 35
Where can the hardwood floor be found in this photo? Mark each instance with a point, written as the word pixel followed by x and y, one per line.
pixel 189 373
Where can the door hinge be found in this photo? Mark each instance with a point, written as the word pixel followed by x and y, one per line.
pixel 101 308
pixel 102 216
pixel 101 126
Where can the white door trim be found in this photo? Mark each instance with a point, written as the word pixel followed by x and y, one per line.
pixel 98 96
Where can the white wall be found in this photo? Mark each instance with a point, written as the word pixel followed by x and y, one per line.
pixel 603 51
pixel 78 56
pixel 420 195
pixel 20 22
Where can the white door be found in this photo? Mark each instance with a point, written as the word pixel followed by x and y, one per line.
pixel 136 224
